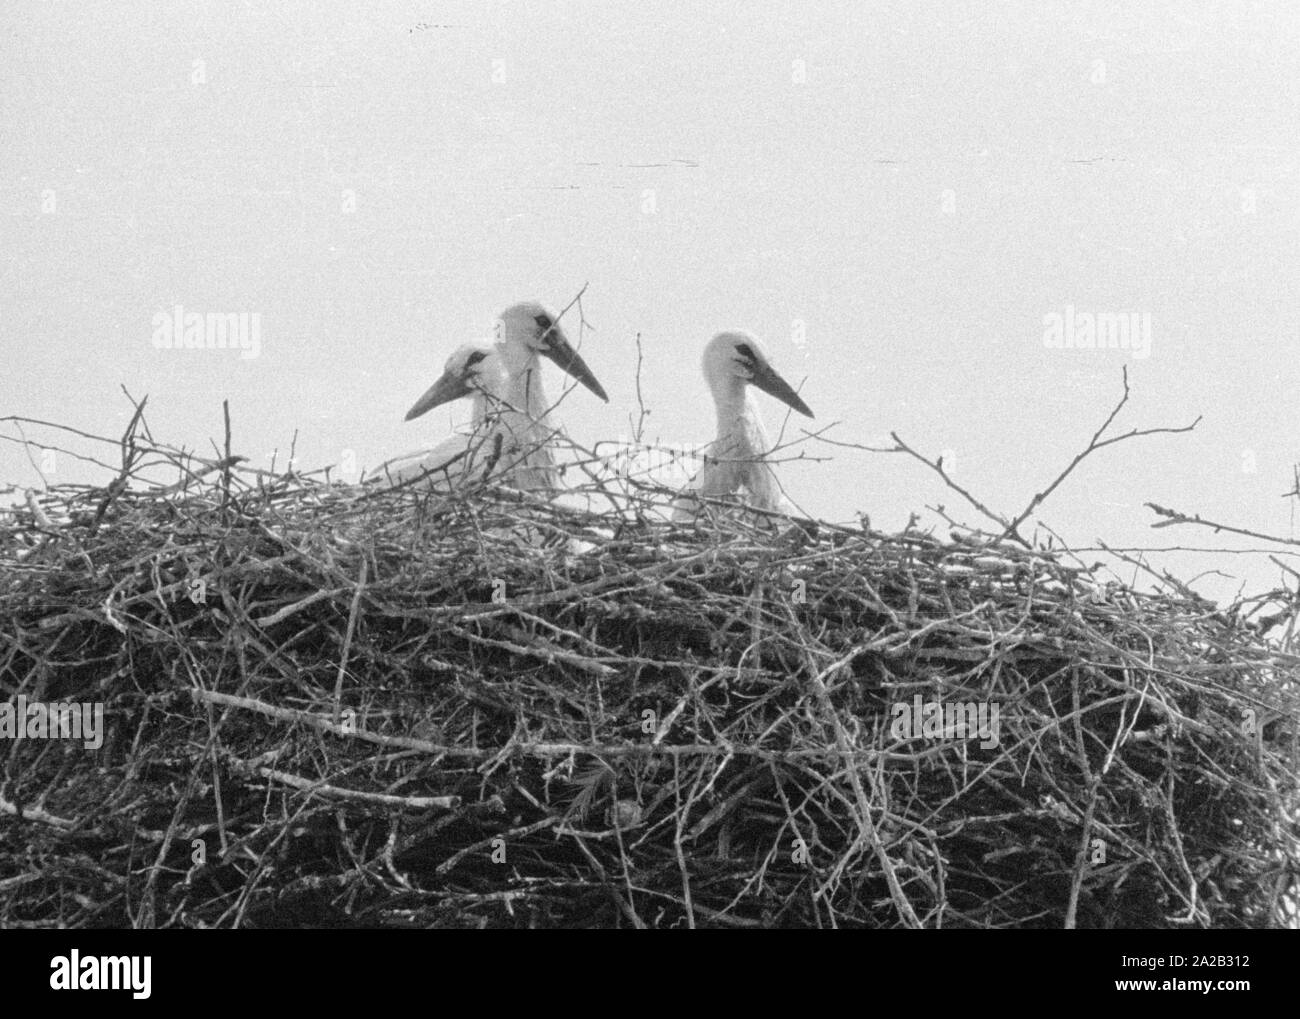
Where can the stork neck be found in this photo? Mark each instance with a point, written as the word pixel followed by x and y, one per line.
pixel 740 428
pixel 524 391
pixel 733 405
pixel 478 407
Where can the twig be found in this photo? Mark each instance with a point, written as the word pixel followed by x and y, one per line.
pixel 1094 444
pixel 353 612
pixel 1174 517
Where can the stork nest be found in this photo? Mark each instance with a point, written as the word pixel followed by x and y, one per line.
pixel 328 705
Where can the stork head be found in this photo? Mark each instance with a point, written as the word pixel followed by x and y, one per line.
pixel 738 356
pixel 470 369
pixel 527 330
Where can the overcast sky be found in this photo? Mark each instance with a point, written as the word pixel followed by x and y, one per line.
pixel 896 198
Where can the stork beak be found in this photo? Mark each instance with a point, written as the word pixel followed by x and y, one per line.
pixel 557 348
pixel 451 386
pixel 764 376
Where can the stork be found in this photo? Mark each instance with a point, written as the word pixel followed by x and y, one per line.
pixel 526 333
pixel 473 370
pixel 736 459
pixel 511 415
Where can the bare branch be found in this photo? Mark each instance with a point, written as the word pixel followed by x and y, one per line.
pixel 1096 443
pixel 937 467
pixel 1175 517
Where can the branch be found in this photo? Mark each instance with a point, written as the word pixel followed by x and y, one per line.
pixel 1174 517
pixel 937 467
pixel 1096 443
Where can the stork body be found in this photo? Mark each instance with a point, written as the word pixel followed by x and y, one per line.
pixel 473 371
pixel 512 434
pixel 736 460
pixel 526 333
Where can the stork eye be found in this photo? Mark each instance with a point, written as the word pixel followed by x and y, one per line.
pixel 746 351
pixel 543 322
pixel 474 359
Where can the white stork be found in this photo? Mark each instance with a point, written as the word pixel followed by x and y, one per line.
pixel 736 459
pixel 473 370
pixel 512 428
pixel 526 333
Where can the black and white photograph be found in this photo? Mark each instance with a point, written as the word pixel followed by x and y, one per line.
pixel 508 465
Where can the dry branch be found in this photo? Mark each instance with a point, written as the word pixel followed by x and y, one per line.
pixel 656 724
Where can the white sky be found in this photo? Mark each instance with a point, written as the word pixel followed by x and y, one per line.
pixel 1113 157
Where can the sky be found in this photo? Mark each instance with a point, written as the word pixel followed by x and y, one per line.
pixel 897 198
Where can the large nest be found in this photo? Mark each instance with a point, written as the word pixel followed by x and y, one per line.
pixel 333 705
